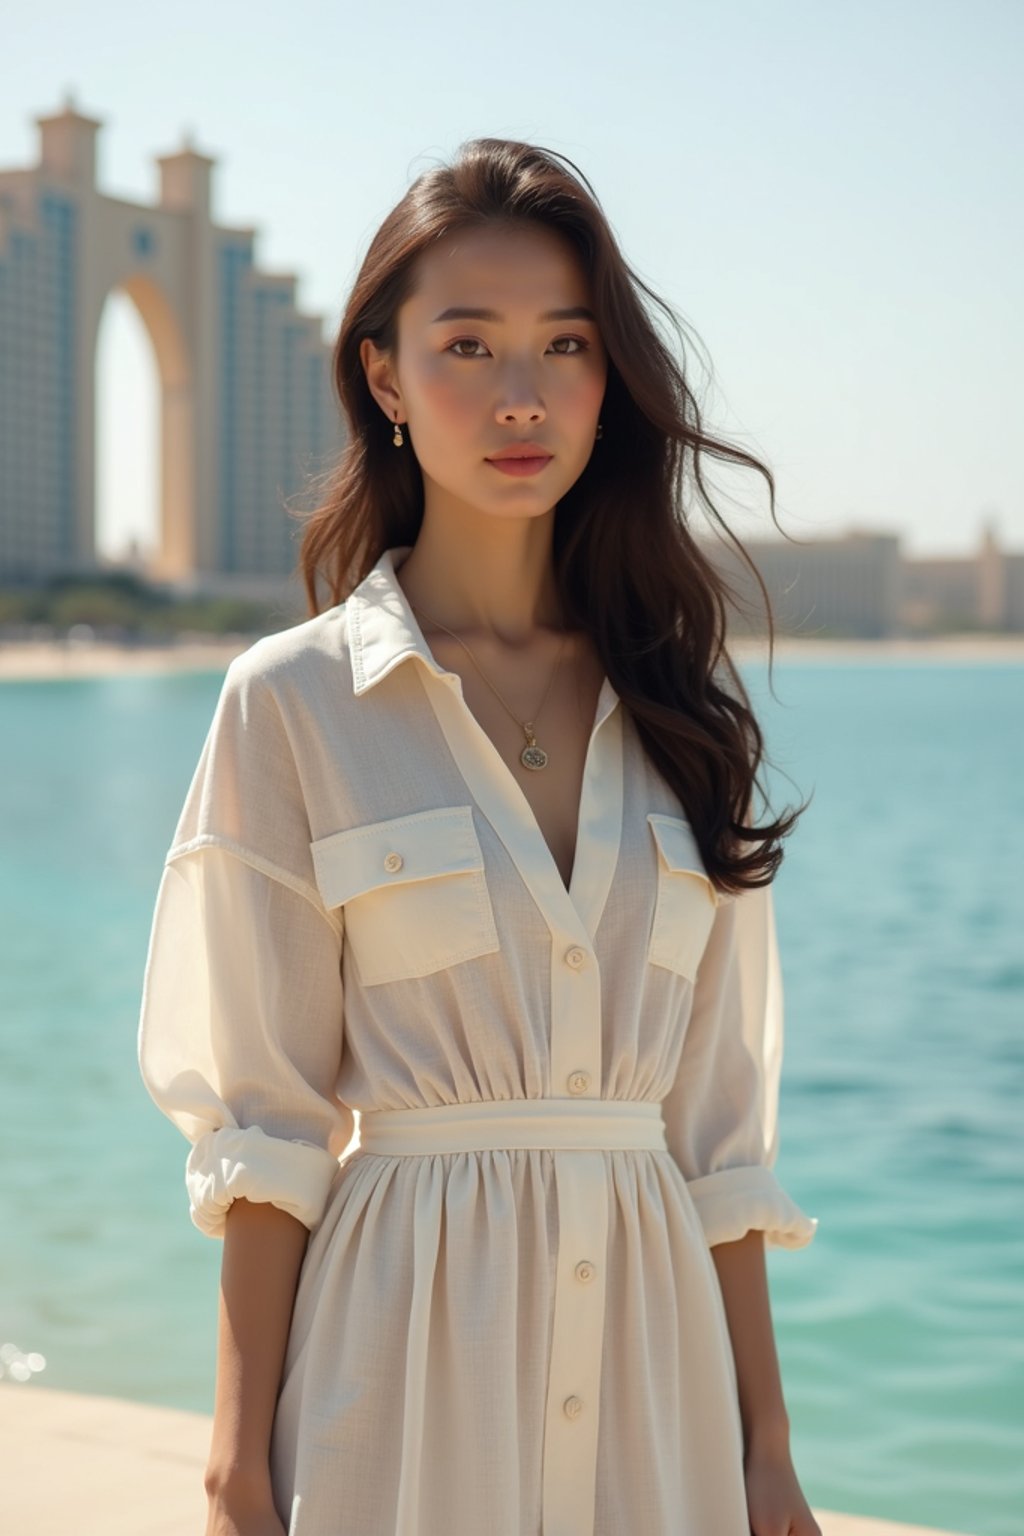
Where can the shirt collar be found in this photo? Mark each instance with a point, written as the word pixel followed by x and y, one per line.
pixel 383 631
pixel 382 626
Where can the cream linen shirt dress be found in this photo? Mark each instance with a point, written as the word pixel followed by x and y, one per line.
pixel 507 1321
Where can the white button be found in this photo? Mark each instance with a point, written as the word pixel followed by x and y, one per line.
pixel 573 1407
pixel 585 1271
pixel 393 861
pixel 579 1082
pixel 575 957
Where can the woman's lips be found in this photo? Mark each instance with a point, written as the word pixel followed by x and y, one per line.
pixel 520 466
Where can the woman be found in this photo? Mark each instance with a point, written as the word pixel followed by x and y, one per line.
pixel 470 851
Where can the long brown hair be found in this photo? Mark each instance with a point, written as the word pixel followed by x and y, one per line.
pixel 628 569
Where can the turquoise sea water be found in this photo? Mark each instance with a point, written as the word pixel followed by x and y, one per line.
pixel 901 919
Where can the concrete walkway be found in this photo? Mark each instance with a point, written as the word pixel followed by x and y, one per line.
pixel 95 1466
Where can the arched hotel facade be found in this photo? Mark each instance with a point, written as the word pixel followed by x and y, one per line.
pixel 245 399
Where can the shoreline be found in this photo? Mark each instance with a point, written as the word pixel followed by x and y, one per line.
pixel 43 660
pixel 102 1466
pixel 39 660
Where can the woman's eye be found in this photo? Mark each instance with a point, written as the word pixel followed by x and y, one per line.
pixel 472 341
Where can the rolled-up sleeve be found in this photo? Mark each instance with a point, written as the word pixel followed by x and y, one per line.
pixel 722 1111
pixel 241 1026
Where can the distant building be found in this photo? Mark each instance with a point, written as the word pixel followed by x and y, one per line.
pixel 941 592
pixel 245 380
pixel 859 584
pixel 846 586
pixel 1000 586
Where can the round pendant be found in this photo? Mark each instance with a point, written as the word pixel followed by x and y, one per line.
pixel 533 757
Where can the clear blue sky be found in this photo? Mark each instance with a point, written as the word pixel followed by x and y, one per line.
pixel 829 194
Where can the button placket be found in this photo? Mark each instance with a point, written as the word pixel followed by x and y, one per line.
pixel 575 1018
pixel 574 1381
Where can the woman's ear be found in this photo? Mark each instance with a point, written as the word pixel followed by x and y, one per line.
pixel 377 366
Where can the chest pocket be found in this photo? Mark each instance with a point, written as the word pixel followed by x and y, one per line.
pixel 413 890
pixel 686 899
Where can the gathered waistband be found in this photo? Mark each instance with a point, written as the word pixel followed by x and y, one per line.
pixel 509 1124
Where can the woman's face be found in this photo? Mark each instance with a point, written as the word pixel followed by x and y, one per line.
pixel 469 385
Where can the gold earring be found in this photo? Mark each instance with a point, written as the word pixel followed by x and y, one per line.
pixel 600 430
pixel 398 439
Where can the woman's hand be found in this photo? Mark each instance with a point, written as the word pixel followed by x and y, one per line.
pixel 225 1522
pixel 775 1503
pixel 242 1507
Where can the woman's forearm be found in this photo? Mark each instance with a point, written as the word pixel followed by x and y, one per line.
pixel 743 1280
pixel 263 1252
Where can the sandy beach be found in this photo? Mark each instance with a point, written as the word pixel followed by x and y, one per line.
pixel 98 1466
pixel 37 660
pixel 967 650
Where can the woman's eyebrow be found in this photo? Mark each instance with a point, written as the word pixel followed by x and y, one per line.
pixel 577 312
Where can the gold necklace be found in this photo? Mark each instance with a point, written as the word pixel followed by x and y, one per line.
pixel 532 756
